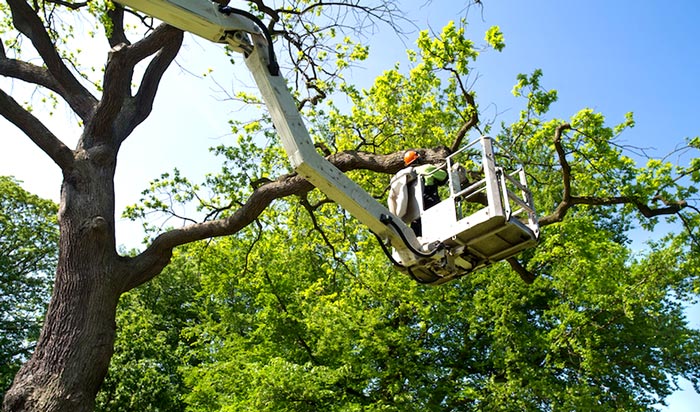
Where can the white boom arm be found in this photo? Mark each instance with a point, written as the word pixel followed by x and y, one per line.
pixel 200 17
pixel 317 169
pixel 204 18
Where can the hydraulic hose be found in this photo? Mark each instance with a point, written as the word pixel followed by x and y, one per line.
pixel 273 66
pixel 388 220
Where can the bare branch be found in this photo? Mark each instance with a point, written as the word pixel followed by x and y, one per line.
pixel 36 131
pixel 69 5
pixel 305 41
pixel 299 338
pixel 28 23
pixel 309 208
pixel 258 236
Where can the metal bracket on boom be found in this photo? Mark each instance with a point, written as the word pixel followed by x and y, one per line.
pixel 200 17
pixel 433 259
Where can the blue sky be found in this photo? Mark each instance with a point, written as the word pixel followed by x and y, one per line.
pixel 613 56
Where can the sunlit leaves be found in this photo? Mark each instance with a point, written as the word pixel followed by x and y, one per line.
pixel 100 8
pixel 538 99
pixel 494 37
pixel 450 48
pixel 349 52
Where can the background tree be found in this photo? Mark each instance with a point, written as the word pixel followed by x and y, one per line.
pixel 91 275
pixel 28 253
pixel 152 347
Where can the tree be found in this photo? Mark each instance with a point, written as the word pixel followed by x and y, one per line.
pixel 283 323
pixel 28 252
pixel 91 276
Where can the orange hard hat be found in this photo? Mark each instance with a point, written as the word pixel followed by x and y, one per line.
pixel 410 156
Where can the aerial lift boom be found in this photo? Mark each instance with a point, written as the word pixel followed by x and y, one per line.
pixel 433 259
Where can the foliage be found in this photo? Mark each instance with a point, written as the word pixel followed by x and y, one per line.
pixel 275 322
pixel 28 253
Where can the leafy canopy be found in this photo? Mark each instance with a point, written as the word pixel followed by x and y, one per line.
pixel 302 311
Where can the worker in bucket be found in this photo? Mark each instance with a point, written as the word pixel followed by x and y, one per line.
pixel 403 201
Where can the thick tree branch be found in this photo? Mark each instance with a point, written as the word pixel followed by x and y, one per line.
pixel 526 276
pixel 36 131
pixel 149 263
pixel 392 163
pixel 28 23
pixel 473 119
pixel 561 154
pixel 165 41
pixel 27 72
pixel 565 203
pixel 646 211
pixel 468 125
pixel 154 73
pixel 117 35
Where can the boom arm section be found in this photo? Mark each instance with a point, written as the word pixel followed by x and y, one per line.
pixel 200 17
pixel 207 20
pixel 316 168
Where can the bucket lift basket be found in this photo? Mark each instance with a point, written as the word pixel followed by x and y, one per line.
pixel 489 214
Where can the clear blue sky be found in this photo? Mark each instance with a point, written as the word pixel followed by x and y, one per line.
pixel 613 56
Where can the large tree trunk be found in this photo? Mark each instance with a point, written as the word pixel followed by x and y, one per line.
pixel 76 343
